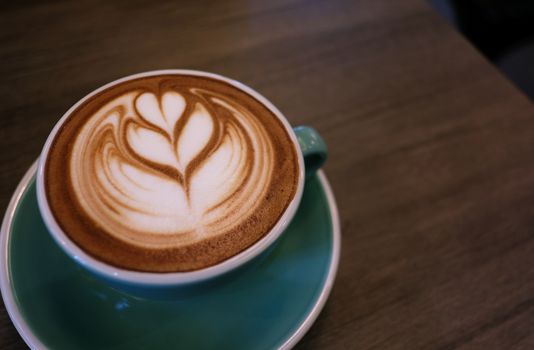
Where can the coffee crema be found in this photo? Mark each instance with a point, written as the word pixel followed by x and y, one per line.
pixel 170 173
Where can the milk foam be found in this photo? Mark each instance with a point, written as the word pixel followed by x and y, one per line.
pixel 171 168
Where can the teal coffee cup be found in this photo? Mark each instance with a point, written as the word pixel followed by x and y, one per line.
pixel 311 153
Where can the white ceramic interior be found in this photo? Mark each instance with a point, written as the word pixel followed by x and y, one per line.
pixel 174 278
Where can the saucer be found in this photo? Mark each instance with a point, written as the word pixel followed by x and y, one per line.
pixel 55 304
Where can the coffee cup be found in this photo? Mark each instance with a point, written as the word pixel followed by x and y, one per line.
pixel 169 179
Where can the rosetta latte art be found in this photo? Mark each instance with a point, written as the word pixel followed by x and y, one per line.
pixel 170 168
pixel 170 172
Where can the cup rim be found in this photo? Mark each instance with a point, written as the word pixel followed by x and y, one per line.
pixel 155 279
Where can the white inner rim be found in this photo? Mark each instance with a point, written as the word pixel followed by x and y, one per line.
pixel 175 278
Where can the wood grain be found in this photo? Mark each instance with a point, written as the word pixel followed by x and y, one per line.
pixel 431 149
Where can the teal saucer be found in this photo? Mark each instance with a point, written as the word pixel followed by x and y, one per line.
pixel 55 304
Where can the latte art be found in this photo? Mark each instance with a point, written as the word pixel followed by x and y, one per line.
pixel 170 173
pixel 166 169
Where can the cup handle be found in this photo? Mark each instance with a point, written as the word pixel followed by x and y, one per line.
pixel 312 147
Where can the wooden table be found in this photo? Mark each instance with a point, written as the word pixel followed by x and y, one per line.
pixel 431 149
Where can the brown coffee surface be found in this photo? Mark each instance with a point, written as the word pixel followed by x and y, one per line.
pixel 170 173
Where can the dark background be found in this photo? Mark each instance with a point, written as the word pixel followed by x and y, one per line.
pixel 503 30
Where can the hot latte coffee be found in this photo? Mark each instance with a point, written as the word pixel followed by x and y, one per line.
pixel 169 173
